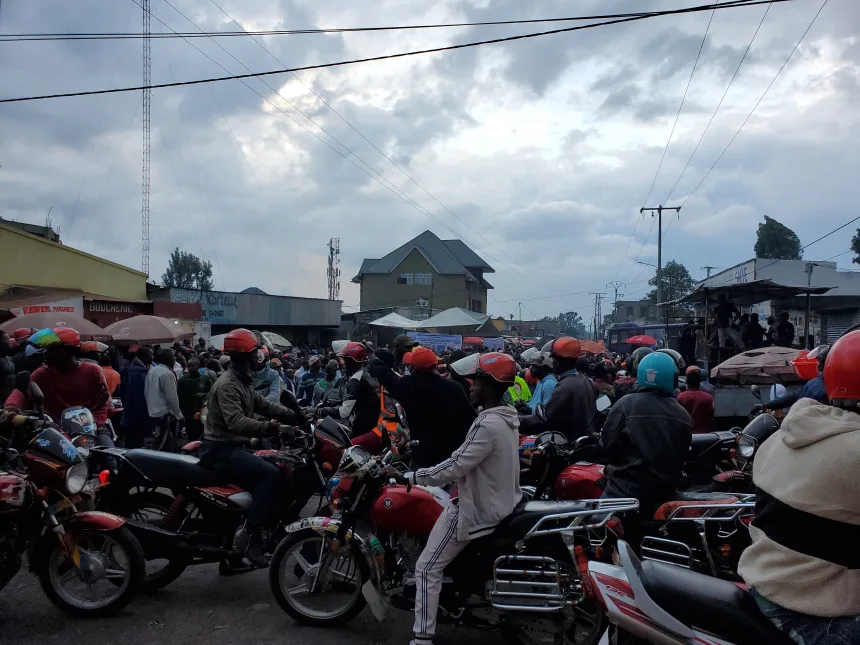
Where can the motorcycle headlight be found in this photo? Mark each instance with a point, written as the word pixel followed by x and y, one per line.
pixel 76 478
pixel 746 446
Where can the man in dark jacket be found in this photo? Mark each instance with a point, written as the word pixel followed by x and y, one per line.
pixel 136 422
pixel 438 411
pixel 571 407
pixel 230 425
pixel 360 406
pixel 646 437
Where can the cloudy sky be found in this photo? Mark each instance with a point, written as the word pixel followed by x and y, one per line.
pixel 541 151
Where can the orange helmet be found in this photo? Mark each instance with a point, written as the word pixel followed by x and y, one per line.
pixel 240 341
pixel 496 365
pixel 355 351
pixel 842 371
pixel 22 333
pixel 566 347
pixel 68 336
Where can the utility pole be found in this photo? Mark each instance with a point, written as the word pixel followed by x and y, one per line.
pixel 708 269
pixel 598 297
pixel 808 269
pixel 659 210
pixel 333 271
pixel 615 284
pixel 147 100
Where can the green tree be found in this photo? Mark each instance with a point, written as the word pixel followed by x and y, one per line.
pixel 677 282
pixel 855 246
pixel 571 324
pixel 776 241
pixel 187 271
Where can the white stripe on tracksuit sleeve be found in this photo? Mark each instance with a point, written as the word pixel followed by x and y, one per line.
pixel 477 447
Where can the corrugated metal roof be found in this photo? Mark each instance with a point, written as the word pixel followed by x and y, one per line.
pixel 446 257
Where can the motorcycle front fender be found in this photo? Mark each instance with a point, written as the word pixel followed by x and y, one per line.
pixel 93 521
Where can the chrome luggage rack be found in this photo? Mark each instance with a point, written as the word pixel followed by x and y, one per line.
pixel 538 583
pixel 680 554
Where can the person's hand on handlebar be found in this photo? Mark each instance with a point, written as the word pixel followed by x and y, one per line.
pixel 758 408
pixel 391 473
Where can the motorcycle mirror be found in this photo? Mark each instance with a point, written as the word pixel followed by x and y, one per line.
pixel 22 381
pixel 540 411
pixel 756 392
pixel 37 395
pixel 603 403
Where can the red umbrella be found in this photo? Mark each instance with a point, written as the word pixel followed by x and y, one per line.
pixel 54 319
pixel 473 340
pixel 644 340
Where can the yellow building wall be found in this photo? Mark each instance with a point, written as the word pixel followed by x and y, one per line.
pixel 29 260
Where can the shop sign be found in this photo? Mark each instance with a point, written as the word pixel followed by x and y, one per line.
pixel 67 306
pixel 218 307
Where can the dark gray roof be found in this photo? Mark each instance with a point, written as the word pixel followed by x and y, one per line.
pixel 466 256
pixel 449 257
pixel 254 291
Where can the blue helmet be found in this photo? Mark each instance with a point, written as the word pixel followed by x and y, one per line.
pixel 658 371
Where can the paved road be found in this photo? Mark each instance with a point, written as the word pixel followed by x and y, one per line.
pixel 201 608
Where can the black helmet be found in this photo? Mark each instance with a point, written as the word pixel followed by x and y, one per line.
pixel 679 360
pixel 635 358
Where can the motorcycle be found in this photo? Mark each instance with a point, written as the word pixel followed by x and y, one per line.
pixel 652 602
pixel 527 575
pixel 89 564
pixel 200 521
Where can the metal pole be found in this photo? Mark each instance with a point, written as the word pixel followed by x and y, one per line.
pixel 806 342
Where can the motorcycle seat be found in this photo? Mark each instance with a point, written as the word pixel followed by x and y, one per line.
pixel 700 443
pixel 710 604
pixel 169 469
pixel 527 514
pixel 691 500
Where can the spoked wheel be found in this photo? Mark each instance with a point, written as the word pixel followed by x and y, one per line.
pixel 293 573
pixel 152 507
pixel 110 572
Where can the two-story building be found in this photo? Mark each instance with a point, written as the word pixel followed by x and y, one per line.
pixel 425 275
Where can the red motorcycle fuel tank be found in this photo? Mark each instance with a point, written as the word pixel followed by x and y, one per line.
pixel 579 481
pixel 15 493
pixel 396 511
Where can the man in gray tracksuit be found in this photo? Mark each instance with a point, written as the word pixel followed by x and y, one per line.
pixel 487 474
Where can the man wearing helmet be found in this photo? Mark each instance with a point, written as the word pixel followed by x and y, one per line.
pixel 540 367
pixel 267 383
pixel 487 475
pixel 571 408
pixel 646 437
pixel 360 405
pixel 68 382
pixel 626 384
pixel 230 425
pixel 802 565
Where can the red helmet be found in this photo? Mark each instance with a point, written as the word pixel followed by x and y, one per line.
pixel 240 341
pixel 355 351
pixel 566 347
pixel 500 367
pixel 68 336
pixel 22 333
pixel 842 370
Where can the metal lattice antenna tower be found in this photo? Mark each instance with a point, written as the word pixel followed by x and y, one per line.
pixel 333 271
pixel 147 100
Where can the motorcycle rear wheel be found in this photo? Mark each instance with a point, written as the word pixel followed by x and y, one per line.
pixel 297 555
pixel 152 507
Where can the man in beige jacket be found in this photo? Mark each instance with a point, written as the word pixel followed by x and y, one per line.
pixel 804 563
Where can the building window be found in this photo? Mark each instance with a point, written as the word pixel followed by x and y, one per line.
pixel 476 306
pixel 405 278
pixel 630 312
pixel 423 278
pixel 421 302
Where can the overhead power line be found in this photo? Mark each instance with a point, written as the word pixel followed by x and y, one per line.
pixel 681 107
pixel 330 30
pixel 761 98
pixel 355 61
pixel 373 145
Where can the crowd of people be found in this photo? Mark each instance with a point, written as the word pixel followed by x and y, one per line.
pixel 465 411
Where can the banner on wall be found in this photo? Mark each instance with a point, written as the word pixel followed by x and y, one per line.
pixel 437 342
pixel 67 306
pixel 495 344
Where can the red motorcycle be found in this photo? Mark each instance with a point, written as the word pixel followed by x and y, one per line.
pixel 199 521
pixel 88 563
pixel 526 575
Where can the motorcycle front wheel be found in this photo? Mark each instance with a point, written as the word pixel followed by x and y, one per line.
pixel 110 573
pixel 330 602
